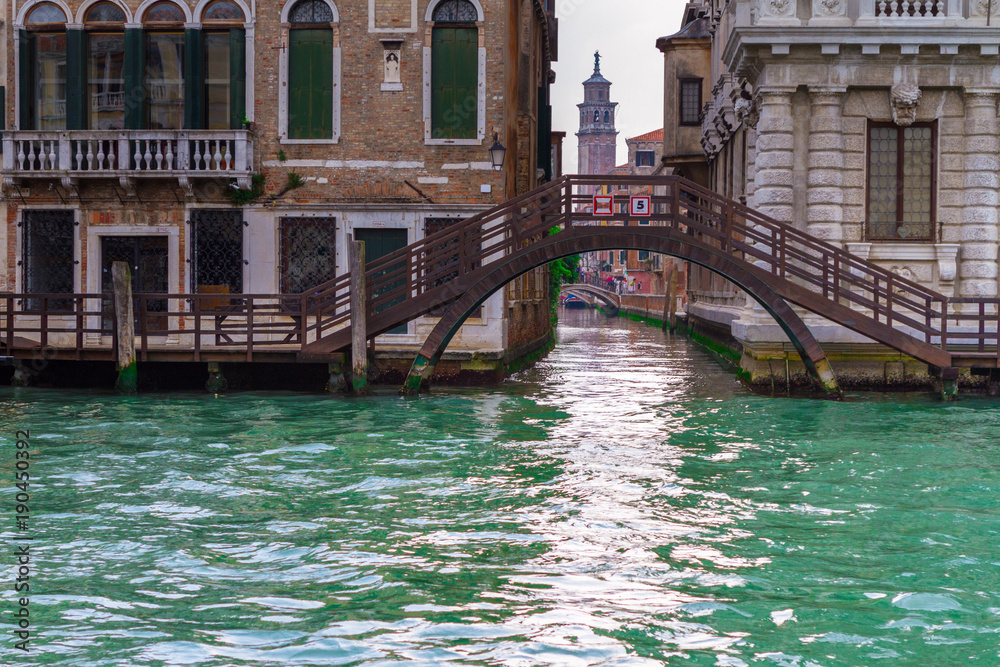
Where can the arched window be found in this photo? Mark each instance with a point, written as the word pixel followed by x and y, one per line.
pixel 43 59
pixel 164 71
pixel 310 11
pixel 455 11
pixel 223 10
pixel 607 116
pixel 455 69
pixel 310 71
pixel 105 93
pixel 224 48
pixel 597 116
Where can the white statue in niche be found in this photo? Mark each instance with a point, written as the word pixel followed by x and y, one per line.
pixel 392 67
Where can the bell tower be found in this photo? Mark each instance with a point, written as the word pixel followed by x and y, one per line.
pixel 597 138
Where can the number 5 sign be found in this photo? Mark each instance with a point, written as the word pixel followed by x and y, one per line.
pixel 639 206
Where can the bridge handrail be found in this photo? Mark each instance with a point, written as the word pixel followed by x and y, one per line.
pixel 771 249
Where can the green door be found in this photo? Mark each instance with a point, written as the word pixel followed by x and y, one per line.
pixel 310 84
pixel 378 243
pixel 454 83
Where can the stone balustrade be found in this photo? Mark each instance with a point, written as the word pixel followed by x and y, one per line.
pixel 885 13
pixel 72 154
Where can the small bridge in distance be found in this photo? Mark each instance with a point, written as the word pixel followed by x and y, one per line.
pixel 611 300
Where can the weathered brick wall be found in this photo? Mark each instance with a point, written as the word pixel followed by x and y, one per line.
pixel 381 159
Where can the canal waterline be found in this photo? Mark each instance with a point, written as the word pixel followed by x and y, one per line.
pixel 623 502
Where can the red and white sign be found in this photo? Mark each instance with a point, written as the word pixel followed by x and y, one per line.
pixel 604 205
pixel 639 206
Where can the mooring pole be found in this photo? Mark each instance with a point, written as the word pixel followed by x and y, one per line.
pixel 670 301
pixel 359 318
pixel 128 373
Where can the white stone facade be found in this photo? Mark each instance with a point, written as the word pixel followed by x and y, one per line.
pixel 798 88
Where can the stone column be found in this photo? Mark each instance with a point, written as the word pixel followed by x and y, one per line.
pixel 825 194
pixel 772 192
pixel 978 271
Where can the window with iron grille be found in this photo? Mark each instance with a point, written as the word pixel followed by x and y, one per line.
pixel 690 97
pixel 217 251
pixel 307 254
pixel 440 269
pixel 48 256
pixel 901 182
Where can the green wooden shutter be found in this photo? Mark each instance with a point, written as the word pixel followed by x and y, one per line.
pixel 24 80
pixel 237 77
pixel 310 84
pixel 76 80
pixel 135 65
pixel 194 80
pixel 454 83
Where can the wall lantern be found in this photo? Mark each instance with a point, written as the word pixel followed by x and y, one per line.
pixel 497 153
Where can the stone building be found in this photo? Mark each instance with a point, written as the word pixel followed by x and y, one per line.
pixel 872 125
pixel 230 146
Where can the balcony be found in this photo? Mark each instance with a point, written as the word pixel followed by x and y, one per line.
pixel 883 13
pixel 71 155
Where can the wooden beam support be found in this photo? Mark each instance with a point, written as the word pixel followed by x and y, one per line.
pixel 128 372
pixel 359 318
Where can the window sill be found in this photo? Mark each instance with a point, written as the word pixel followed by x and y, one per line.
pixel 287 141
pixel 453 142
pixel 394 87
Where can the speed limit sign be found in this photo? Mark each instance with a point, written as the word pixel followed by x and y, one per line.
pixel 639 205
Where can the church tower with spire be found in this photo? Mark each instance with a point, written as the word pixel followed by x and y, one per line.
pixel 597 138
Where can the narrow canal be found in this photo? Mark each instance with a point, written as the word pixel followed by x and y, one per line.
pixel 624 502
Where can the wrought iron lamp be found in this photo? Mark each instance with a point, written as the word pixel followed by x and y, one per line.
pixel 497 153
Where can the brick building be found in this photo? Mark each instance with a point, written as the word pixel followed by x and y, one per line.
pixel 231 146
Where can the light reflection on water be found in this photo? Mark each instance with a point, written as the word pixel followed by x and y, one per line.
pixel 624 502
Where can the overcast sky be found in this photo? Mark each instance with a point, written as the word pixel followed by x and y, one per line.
pixel 625 32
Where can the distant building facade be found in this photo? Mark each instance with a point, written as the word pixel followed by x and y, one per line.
pixel 870 125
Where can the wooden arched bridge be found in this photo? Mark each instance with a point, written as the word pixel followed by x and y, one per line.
pixel 458 268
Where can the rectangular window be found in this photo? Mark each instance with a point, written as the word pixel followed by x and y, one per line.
pixel 454 83
pixel 165 81
pixel 690 97
pixel 310 84
pixel 621 257
pixel 106 81
pixel 901 182
pixel 307 254
pixel 217 252
pixel 217 81
pixel 48 81
pixel 48 256
pixel 645 158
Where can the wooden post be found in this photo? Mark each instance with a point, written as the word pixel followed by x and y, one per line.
pixel 128 374
pixel 216 383
pixel 359 318
pixel 670 307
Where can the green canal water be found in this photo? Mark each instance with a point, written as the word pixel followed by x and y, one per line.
pixel 624 502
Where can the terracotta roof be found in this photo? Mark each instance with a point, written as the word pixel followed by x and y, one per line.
pixel 655 135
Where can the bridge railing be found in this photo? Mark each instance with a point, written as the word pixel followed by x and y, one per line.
pixel 433 271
